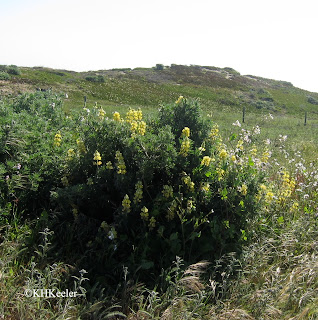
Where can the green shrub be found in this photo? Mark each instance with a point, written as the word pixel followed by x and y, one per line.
pixel 134 193
pixel 99 79
pixel 14 70
pixel 159 66
pixel 4 76
pixel 312 100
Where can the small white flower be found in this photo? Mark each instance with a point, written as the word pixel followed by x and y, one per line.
pixel 236 123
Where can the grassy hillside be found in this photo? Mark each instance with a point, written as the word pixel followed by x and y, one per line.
pixel 148 87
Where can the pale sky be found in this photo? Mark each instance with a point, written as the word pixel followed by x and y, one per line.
pixel 275 39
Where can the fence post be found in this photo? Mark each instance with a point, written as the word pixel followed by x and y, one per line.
pixel 305 118
pixel 244 114
pixel 85 98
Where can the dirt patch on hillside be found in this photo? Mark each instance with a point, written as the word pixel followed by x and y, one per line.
pixel 10 88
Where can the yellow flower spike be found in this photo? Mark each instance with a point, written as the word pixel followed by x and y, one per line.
pixel 144 214
pixel 97 158
pixel 269 196
pixel 254 151
pixel 109 165
pixel 139 114
pixel 101 114
pixel 116 116
pixel 214 132
pixel 152 223
pixel 185 147
pixel 223 154
pixel 142 128
pixel 205 186
pixel 121 166
pixel 167 191
pixel 126 203
pixel 70 154
pixel 179 99
pixel 186 132
pixel 243 189
pixel 57 139
pixel 206 161
pixel 138 193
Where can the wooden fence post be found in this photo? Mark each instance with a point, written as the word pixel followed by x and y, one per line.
pixel 305 118
pixel 244 114
pixel 85 98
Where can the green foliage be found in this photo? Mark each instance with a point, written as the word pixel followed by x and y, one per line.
pixel 158 190
pixel 312 100
pixel 159 66
pixel 99 79
pixel 4 76
pixel 14 70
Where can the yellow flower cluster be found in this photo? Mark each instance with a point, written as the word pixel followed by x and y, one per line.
pixel 223 154
pixel 167 191
pixel 295 206
pixel 266 193
pixel 171 210
pixel 220 172
pixel 269 196
pixel 101 114
pixel 254 151
pixel 185 132
pixel 179 99
pixel 239 146
pixel 187 181
pixel 81 146
pixel 138 192
pixel 206 161
pixel 152 223
pixel 134 117
pixel 205 186
pixel 57 139
pixel 116 116
pixel 126 203
pixel 109 165
pixel 185 146
pixel 243 189
pixel 214 132
pixel 121 167
pixel 97 158
pixel 288 186
pixel 144 214
pixel 265 156
pixel 70 154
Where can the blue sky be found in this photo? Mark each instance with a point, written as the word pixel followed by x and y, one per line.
pixel 274 38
